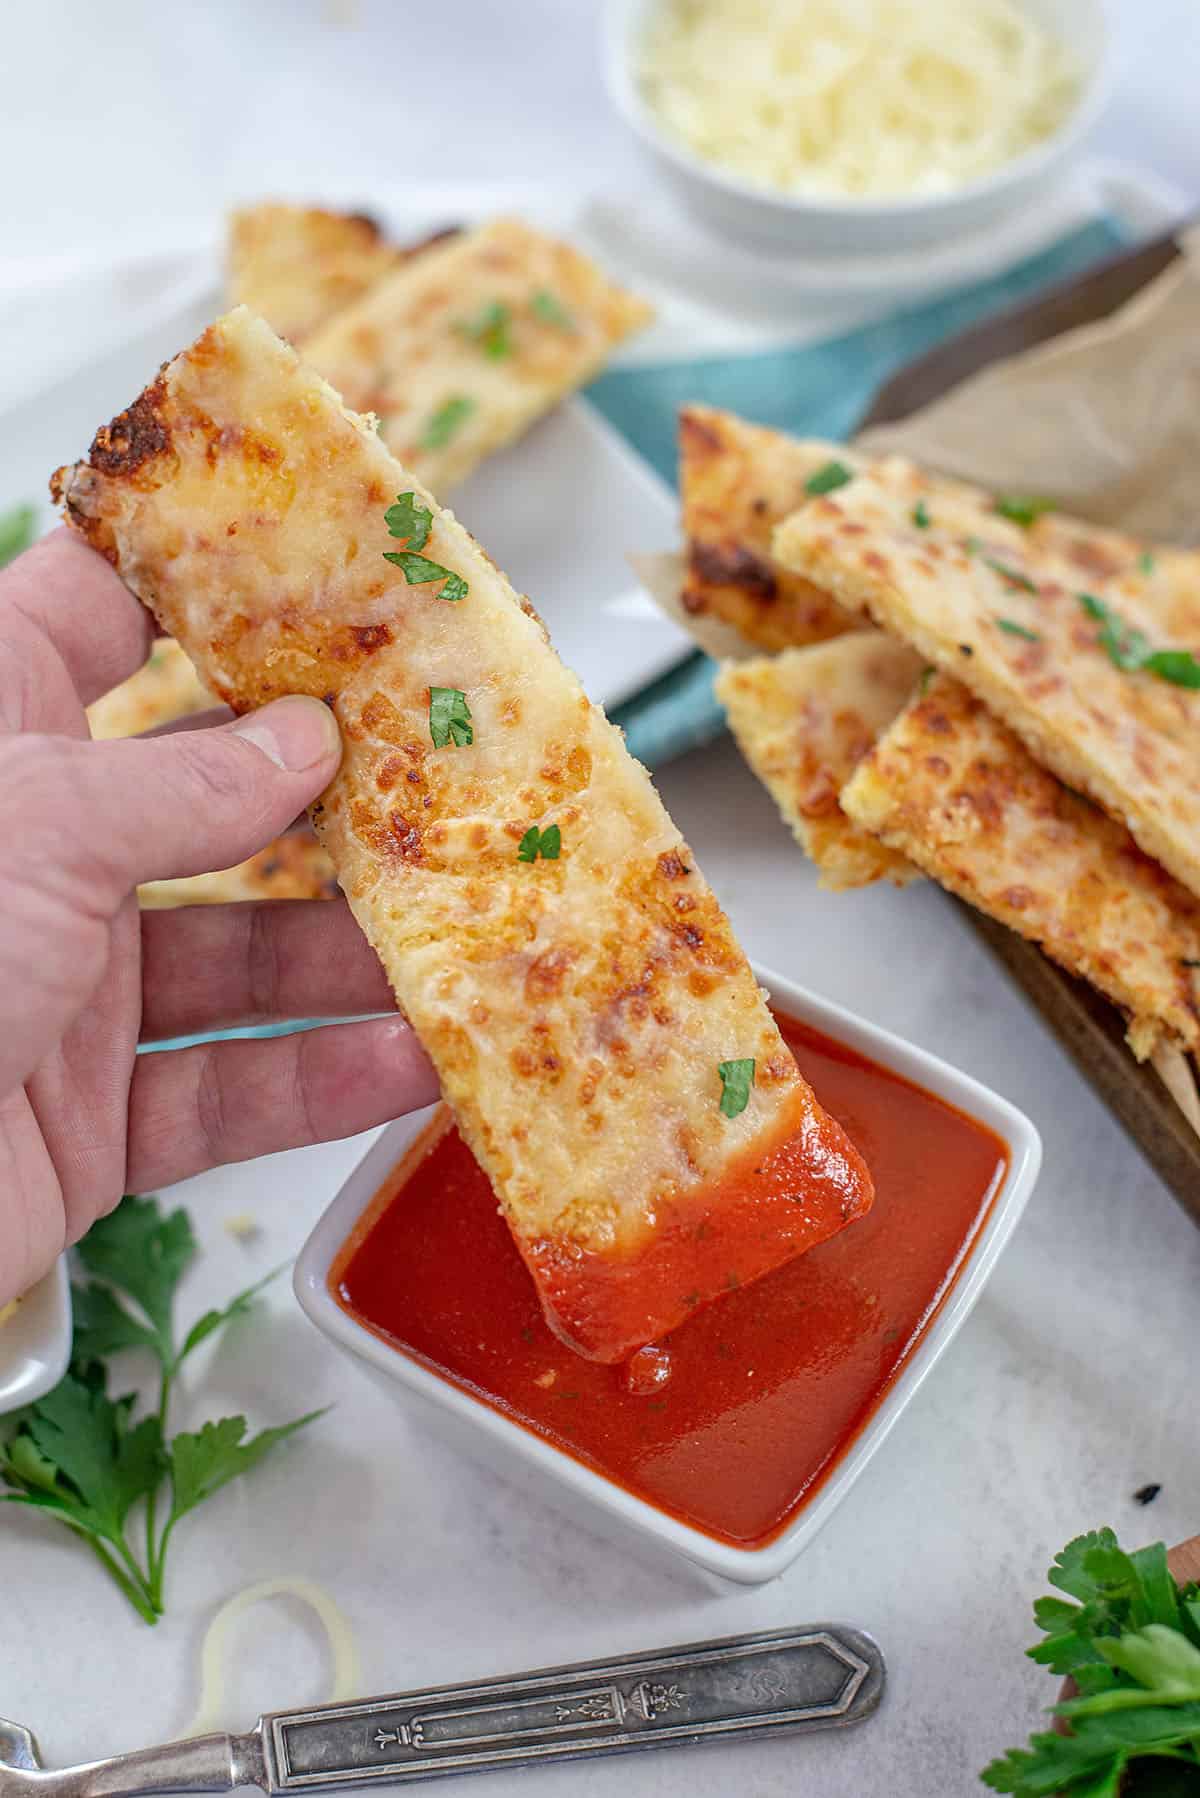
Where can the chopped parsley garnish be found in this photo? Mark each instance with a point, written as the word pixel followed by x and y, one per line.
pixel 828 478
pixel 927 677
pixel 1131 1643
pixel 1146 562
pixel 409 519
pixel 450 718
pixel 16 532
pixel 1022 508
pixel 737 1077
pixel 445 422
pixel 490 329
pixel 1129 649
pixel 1014 629
pixel 1013 575
pixel 549 308
pixel 972 545
pixel 920 515
pixel 84 1457
pixel 535 842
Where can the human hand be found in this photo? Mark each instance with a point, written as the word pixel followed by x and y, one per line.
pixel 84 978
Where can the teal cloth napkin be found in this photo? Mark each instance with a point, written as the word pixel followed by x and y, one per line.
pixel 813 390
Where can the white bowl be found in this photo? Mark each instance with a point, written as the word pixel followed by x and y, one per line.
pixel 789 222
pixel 490 1436
pixel 35 1342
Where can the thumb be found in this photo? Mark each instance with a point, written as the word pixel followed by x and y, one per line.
pixel 158 808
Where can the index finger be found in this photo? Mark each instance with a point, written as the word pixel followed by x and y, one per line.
pixel 68 593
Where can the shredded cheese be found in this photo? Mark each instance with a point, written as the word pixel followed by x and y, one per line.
pixel 859 98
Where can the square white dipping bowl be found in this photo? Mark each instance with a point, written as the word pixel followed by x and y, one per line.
pixel 489 1435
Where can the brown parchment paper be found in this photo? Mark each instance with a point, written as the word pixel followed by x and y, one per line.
pixel 1105 420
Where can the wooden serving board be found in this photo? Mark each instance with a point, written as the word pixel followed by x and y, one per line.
pixel 1091 1029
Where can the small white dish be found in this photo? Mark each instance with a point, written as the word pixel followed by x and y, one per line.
pixel 801 225
pixel 35 1340
pixel 490 1436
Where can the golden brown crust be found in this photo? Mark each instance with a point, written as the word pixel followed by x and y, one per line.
pixel 955 790
pixel 804 719
pixel 292 867
pixel 738 481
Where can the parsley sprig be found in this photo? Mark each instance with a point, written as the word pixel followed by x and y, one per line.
pixel 1131 1642
pixel 549 308
pixel 1129 649
pixel 80 1455
pixel 412 522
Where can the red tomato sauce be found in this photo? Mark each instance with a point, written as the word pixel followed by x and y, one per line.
pixel 739 1415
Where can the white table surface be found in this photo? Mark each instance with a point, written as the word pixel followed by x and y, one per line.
pixel 1070 1386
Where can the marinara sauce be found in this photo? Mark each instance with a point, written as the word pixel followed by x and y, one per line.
pixel 733 1421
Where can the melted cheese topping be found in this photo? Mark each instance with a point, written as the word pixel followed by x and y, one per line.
pixel 418 353
pixel 577 1009
pixel 954 789
pixel 855 98
pixel 299 266
pixel 1129 740
pixel 804 720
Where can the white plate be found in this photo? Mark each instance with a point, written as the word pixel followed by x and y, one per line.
pixel 489 1435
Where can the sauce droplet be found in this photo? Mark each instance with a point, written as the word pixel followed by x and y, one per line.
pixel 647 1371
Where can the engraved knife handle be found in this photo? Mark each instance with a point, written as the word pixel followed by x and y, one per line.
pixel 822 1676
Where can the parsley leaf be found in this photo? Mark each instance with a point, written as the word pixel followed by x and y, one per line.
pixel 1023 509
pixel 1179 666
pixel 1014 629
pixel 82 1456
pixel 142 1255
pixel 546 843
pixel 920 516
pixel 410 520
pixel 446 422
pixel 1129 649
pixel 1013 575
pixel 1145 562
pixel 828 478
pixel 204 1460
pixel 549 308
pixel 16 532
pixel 737 1077
pixel 450 718
pixel 490 329
pixel 1133 1648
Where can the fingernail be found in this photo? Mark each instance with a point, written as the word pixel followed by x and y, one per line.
pixel 295 733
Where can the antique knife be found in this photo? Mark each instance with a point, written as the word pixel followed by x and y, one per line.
pixel 784 1681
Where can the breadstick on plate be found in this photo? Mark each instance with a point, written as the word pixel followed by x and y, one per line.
pixel 298 266
pixel 461 351
pixel 596 1027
